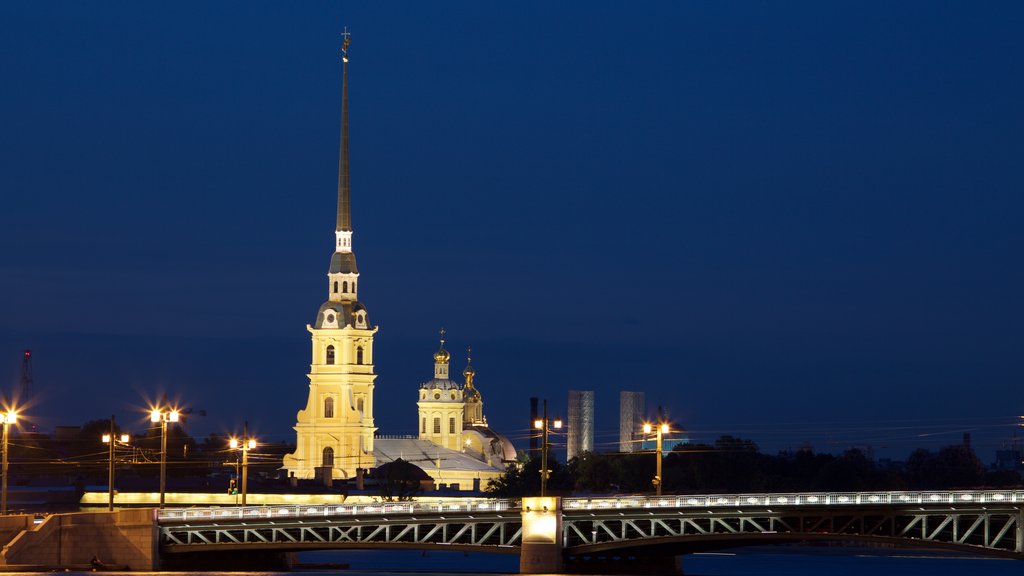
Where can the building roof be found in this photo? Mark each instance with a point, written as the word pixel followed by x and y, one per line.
pixel 508 451
pixel 441 384
pixel 343 263
pixel 425 455
pixel 343 310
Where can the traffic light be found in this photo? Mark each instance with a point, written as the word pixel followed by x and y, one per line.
pixel 232 487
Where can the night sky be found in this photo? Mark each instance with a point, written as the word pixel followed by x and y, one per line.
pixel 797 222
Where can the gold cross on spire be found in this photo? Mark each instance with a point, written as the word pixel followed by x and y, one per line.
pixel 346 39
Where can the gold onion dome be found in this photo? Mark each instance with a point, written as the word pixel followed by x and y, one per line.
pixel 442 356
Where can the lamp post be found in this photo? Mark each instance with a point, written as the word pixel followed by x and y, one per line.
pixel 544 425
pixel 9 417
pixel 660 429
pixel 163 417
pixel 113 441
pixel 245 444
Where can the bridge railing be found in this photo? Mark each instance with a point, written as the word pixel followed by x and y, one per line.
pixel 961 498
pixel 328 510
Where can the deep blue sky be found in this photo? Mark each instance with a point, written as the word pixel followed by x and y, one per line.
pixel 792 221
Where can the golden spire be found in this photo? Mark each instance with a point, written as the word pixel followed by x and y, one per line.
pixel 469 373
pixel 344 222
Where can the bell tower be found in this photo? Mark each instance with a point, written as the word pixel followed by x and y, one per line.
pixel 334 432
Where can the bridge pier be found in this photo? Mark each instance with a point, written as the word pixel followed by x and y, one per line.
pixel 541 549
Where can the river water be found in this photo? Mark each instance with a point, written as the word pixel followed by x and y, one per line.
pixel 761 561
pixel 750 562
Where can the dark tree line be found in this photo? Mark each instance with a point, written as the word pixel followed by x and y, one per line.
pixel 732 465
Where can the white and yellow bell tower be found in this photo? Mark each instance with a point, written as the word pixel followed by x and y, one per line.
pixel 334 433
pixel 440 406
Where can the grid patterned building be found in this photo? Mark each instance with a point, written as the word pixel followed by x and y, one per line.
pixel 581 423
pixel 631 417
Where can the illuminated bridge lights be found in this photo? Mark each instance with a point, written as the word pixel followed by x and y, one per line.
pixel 815 499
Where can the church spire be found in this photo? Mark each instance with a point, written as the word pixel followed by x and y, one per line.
pixel 343 229
pixel 441 358
pixel 344 208
pixel 469 372
pixel 343 274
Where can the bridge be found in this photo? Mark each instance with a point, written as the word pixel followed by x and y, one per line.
pixel 548 532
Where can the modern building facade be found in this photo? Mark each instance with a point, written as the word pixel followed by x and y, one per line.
pixel 581 423
pixel 631 420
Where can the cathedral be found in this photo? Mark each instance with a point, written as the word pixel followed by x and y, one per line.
pixel 335 433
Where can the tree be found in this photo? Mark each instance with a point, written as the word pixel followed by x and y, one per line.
pixel 399 480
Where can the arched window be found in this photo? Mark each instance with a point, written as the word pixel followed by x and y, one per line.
pixel 335 287
pixel 329 408
pixel 330 354
pixel 359 355
pixel 423 426
pixel 353 286
pixel 344 287
pixel 328 459
pixel 451 425
pixel 437 425
pixel 359 404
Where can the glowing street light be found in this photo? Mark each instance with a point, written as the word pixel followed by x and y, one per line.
pixel 113 440
pixel 545 425
pixel 244 445
pixel 9 417
pixel 163 417
pixel 661 429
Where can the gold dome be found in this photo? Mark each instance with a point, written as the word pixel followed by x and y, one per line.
pixel 442 356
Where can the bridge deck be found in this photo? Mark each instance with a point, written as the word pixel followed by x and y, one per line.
pixel 985 521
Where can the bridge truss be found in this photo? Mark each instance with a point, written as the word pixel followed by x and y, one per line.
pixel 494 531
pixel 980 521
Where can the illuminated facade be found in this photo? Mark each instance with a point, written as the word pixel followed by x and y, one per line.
pixel 631 420
pixel 335 431
pixel 580 423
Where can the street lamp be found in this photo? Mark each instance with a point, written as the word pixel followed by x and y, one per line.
pixel 9 417
pixel 244 445
pixel 113 440
pixel 660 429
pixel 163 417
pixel 545 425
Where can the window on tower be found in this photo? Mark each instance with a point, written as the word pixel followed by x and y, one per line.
pixel 344 287
pixel 328 459
pixel 437 425
pixel 451 425
pixel 359 405
pixel 330 355
pixel 423 426
pixel 359 355
pixel 335 287
pixel 329 408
